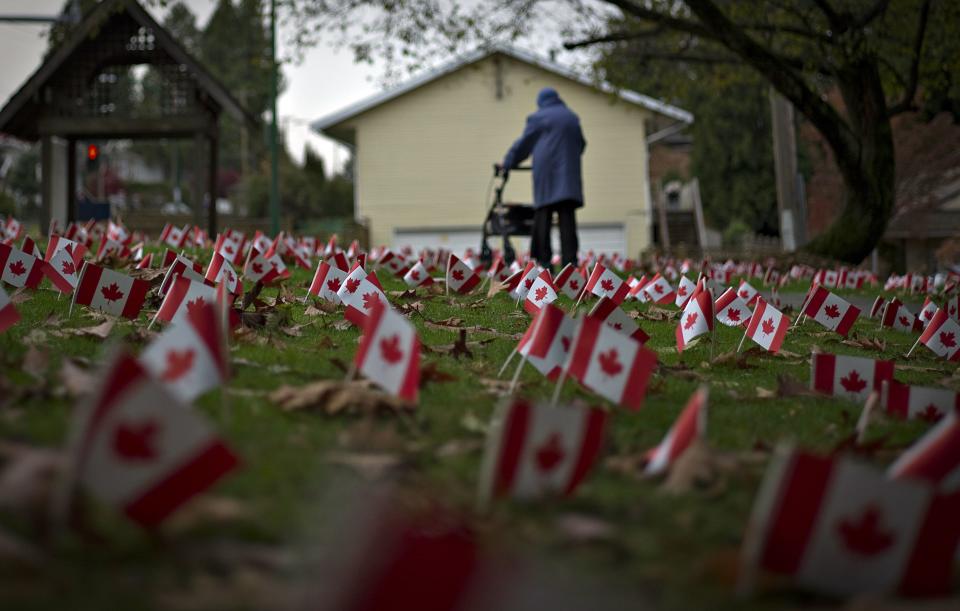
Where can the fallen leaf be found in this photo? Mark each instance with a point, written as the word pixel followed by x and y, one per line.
pixel 581 528
pixel 101 331
pixel 732 358
pixel 19 296
pixel 35 336
pixel 497 387
pixel 251 296
pixel 76 380
pixel 341 325
pixel 655 313
pixel 296 330
pixel 459 447
pixel 429 373
pixel 369 465
pixel 207 510
pixel 35 362
pixel 335 397
pixel 866 343
pixel 407 294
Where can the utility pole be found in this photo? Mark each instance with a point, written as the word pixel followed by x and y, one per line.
pixel 789 208
pixel 274 160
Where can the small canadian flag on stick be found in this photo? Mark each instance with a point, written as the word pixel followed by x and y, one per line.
pixel 327 280
pixel 850 377
pixel 942 337
pixel 832 312
pixel 137 448
pixel 697 317
pixel 535 450
pixel 189 358
pixel 659 290
pixel 690 426
pixel 732 310
pixel 418 276
pixel 605 283
pixel 109 291
pixel 570 281
pixel 541 293
pixel 844 528
pixel 360 293
pixel 389 353
pixel 685 289
pixel 8 313
pixel 768 326
pixel 20 269
pixel 924 403
pixel 935 457
pixel 460 278
pixel 184 296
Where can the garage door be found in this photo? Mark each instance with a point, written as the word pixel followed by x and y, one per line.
pixel 600 238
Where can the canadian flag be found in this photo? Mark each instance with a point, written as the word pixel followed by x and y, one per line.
pixel 689 426
pixel 618 320
pixel 460 278
pixel 175 237
pixel 921 402
pixel 13 228
pixel 264 268
pixel 110 291
pixel 877 306
pixel 850 377
pixel 180 267
pixel 74 249
pixel 926 311
pixel 418 276
pixel 394 262
pixel 498 269
pixel 611 364
pixel 142 451
pixel 20 269
pixel 338 260
pixel 685 289
pixel 732 310
pixel 8 313
pixel 771 276
pixel 111 248
pixel 952 307
pixel 536 450
pixel 62 271
pixel 659 290
pixel 327 280
pixel 220 269
pixel 184 296
pixel 118 233
pixel 230 245
pixel 389 353
pixel 768 326
pixel 189 358
pixel 696 318
pixel 844 528
pixel 636 289
pixel 547 341
pixel 899 317
pixel 747 292
pixel 360 292
pixel 605 283
pixel 530 272
pixel 541 293
pixel 570 281
pixel 935 457
pixel 942 336
pixel 831 311
pixel 511 282
pixel 29 246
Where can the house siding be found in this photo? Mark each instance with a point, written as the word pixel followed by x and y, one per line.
pixel 425 159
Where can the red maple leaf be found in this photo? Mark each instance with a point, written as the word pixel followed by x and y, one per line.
pixel 864 535
pixel 194 306
pixel 550 454
pixel 257 268
pixel 352 285
pixel 853 382
pixel 528 283
pixel 229 276
pixel 832 310
pixel 607 284
pixel 390 349
pixel 657 288
pixel 691 320
pixel 574 284
pixel 930 413
pixel 540 293
pixel 744 293
pixel 457 274
pixel 682 291
pixel 767 326
pixel 733 314
pixel 135 442
pixel 947 339
pixel 953 310
pixel 609 362
pixel 369 300
pixel 415 275
pixel 179 362
pixel 617 326
pixel 904 321
pixel 333 285
pixel 565 342
pixel 111 292
pixel 68 268
pixel 17 268
pixel 228 249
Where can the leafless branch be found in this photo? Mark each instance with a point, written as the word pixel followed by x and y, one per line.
pixel 906 102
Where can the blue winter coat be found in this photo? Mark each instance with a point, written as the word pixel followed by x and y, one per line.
pixel 554 138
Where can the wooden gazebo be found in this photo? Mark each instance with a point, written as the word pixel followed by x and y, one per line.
pixel 68 99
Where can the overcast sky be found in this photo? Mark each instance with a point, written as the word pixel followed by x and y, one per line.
pixel 325 81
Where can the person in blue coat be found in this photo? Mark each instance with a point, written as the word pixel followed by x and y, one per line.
pixel 554 138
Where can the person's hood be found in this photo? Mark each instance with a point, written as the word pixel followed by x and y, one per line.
pixel 548 96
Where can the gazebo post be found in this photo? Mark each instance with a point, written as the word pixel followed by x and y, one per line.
pixel 213 144
pixel 71 182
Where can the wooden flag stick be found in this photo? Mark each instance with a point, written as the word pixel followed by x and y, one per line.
pixel 914 347
pixel 742 339
pixel 559 387
pixel 865 414
pixel 507 362
pixel 516 374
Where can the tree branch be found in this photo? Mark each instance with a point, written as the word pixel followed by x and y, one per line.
pixel 612 37
pixel 906 102
pixel 838 23
pixel 879 8
pixel 674 23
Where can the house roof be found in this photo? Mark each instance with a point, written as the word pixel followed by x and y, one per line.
pixel 329 121
pixel 19 111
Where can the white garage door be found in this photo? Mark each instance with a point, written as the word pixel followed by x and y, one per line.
pixel 600 238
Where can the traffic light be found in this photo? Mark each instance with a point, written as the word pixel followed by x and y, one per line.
pixel 93 152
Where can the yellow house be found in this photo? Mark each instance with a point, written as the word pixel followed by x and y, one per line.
pixel 424 151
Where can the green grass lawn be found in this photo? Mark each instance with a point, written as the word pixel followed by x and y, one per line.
pixel 677 549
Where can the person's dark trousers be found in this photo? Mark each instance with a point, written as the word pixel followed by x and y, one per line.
pixel 540 248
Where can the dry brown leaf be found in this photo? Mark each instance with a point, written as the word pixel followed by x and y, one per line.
pixel 409 308
pixel 152 276
pixel 341 325
pixel 35 362
pixel 369 465
pixel 251 296
pixel 497 387
pixel 655 313
pixel 335 397
pixel 76 380
pixel 699 467
pixel 28 477
pixel 208 509
pixel 20 296
pixel 459 447
pixel 429 373
pixel 101 331
pixel 866 343
pixel 732 358
pixel 495 287
pixel 407 294
pixel 295 330
pixel 319 308
pixel 35 336
pixel 581 528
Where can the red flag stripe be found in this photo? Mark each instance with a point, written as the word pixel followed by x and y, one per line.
pixel 589 447
pixel 516 429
